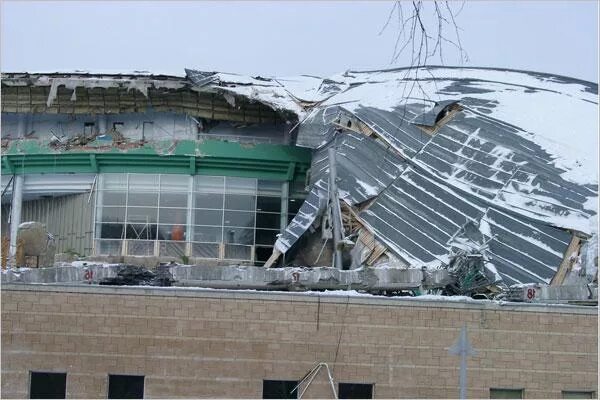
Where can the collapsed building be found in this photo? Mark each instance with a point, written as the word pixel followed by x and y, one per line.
pixel 453 181
pixel 474 171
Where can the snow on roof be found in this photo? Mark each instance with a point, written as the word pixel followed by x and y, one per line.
pixel 519 162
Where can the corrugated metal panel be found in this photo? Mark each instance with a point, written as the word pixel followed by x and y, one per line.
pixel 68 218
pixel 418 216
pixel 317 128
pixel 360 178
pixel 522 250
pixel 492 160
pixel 312 207
pixel 394 128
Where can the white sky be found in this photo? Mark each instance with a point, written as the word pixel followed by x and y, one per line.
pixel 285 38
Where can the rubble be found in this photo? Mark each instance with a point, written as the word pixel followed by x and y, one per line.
pixel 133 275
pixel 470 275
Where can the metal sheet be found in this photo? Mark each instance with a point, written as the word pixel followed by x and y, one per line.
pixel 312 208
pixel 68 218
pixel 417 217
pixel 359 177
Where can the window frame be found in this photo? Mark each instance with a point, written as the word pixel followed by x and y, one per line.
pixel 339 388
pixel 287 381
pixel 125 375
pixel 592 393
pixel 31 372
pixel 134 199
pixel 522 390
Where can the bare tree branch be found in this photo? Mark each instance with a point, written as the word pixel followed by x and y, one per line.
pixel 423 41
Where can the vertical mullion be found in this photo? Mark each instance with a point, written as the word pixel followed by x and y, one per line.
pixel 252 248
pixel 190 205
pixel 283 217
pixel 223 218
pixel 124 231
pixel 285 196
pixel 97 210
pixel 156 241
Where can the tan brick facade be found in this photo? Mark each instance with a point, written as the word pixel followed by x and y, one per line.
pixel 206 343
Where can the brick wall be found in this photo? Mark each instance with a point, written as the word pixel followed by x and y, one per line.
pixel 206 343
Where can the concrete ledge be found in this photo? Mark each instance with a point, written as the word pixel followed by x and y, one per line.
pixel 248 277
pixel 335 297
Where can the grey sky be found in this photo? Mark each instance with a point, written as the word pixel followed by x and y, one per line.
pixel 285 38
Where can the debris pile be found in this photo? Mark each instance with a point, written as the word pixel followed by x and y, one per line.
pixel 471 276
pixel 133 275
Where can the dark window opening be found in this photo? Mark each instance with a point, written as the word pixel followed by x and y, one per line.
pixel 266 236
pixel 269 204
pixel 506 393
pixel 118 126
pixel 88 128
pixel 48 385
pixel 355 391
pixel 111 231
pixel 125 387
pixel 445 115
pixel 577 394
pixel 280 389
pixel 147 128
pixel 262 254
pixel 294 205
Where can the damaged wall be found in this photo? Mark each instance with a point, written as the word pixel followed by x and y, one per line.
pixel 149 126
pixel 110 96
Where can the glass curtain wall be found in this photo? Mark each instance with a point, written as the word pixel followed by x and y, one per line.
pixel 212 217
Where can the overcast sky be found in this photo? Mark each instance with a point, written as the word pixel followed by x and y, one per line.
pixel 286 38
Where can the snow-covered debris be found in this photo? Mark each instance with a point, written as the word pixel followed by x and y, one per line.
pixel 519 160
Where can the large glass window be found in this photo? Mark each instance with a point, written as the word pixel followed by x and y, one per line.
pixel 180 215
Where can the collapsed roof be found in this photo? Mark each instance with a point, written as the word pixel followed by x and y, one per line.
pixel 431 161
pixel 437 159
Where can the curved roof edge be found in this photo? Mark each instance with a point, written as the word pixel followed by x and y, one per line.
pixel 546 74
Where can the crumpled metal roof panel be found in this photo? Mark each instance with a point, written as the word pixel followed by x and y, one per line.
pixel 317 129
pixel 417 217
pixel 359 177
pixel 517 164
pixel 394 127
pixel 523 250
pixel 312 207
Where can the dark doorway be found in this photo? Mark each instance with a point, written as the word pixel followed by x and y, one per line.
pixel 280 389
pixel 48 385
pixel 125 387
pixel 355 391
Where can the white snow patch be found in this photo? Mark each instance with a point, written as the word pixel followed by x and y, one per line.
pixel 368 189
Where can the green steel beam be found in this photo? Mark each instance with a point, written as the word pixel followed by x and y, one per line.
pixel 211 157
pixel 7 166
